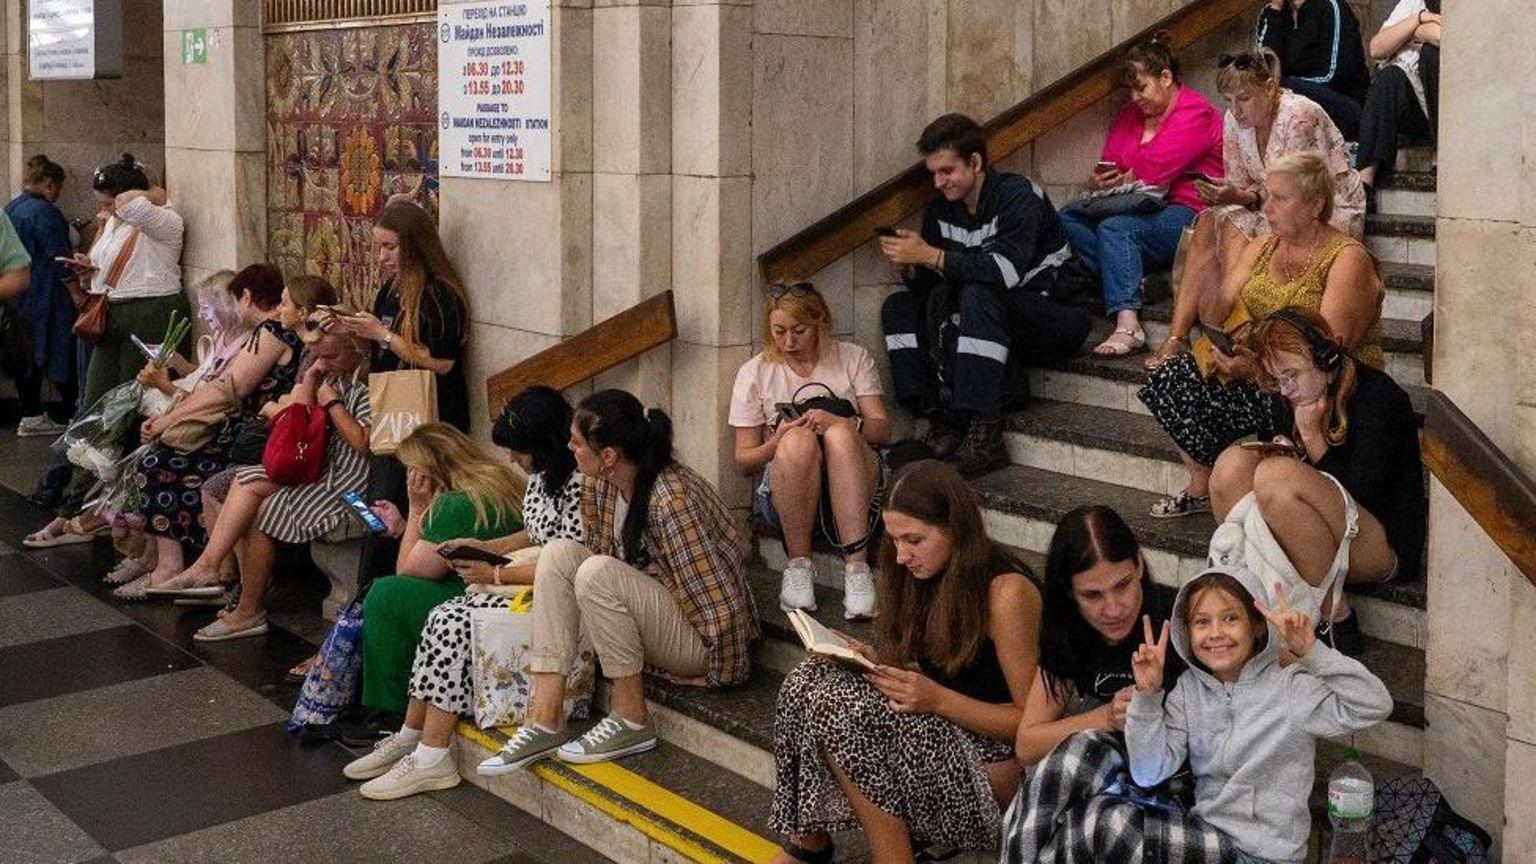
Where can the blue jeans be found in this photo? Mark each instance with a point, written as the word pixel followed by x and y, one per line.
pixel 1122 248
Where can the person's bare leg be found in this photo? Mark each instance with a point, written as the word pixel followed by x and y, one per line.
pixel 1003 777
pixel 889 840
pixel 1231 479
pixel 168 560
pixel 436 726
pixel 547 708
pixel 235 518
pixel 627 699
pixel 795 482
pixel 1215 304
pixel 255 576
pixel 851 471
pixel 1199 476
pixel 1202 273
pixel 416 712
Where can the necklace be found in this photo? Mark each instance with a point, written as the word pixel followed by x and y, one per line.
pixel 1290 270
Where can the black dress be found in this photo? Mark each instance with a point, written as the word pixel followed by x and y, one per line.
pixel 440 324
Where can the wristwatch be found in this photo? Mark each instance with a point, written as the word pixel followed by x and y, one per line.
pixel 389 337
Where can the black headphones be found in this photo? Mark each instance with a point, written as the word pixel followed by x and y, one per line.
pixel 1326 353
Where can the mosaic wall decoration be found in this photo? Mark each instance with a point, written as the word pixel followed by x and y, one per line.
pixel 350 123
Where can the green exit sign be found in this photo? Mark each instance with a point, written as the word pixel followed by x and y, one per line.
pixel 194 46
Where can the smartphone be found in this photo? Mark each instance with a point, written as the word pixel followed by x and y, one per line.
pixel 886 231
pixel 787 411
pixel 470 553
pixel 65 259
pixel 1201 177
pixel 1220 340
pixel 1272 448
pixel 1103 167
pixel 364 513
pixel 149 351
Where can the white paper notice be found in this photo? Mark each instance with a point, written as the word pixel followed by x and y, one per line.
pixel 61 39
pixel 493 90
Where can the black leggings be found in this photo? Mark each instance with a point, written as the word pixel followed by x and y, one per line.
pixel 1391 109
pixel 386 482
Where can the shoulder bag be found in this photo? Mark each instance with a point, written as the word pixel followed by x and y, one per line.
pixel 295 451
pixel 91 323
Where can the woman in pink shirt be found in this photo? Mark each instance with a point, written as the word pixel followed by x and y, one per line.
pixel 1165 134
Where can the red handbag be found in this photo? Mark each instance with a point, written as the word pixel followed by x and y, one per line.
pixel 295 452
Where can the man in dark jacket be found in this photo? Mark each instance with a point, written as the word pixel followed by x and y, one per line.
pixel 976 307
pixel 1322 56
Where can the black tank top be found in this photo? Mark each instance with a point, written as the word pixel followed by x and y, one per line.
pixel 982 679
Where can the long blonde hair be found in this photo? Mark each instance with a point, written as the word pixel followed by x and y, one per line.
pixel 449 457
pixel 421 259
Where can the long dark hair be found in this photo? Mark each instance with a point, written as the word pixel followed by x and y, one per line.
pixel 422 260
pixel 614 418
pixel 1084 538
pixel 537 421
pixel 124 175
pixel 942 619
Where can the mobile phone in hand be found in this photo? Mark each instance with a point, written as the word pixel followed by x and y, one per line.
pixel 1220 340
pixel 1202 177
pixel 150 352
pixel 360 509
pixel 472 553
pixel 65 259
pixel 886 231
pixel 1106 167
pixel 1272 448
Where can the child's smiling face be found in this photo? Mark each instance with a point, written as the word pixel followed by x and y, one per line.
pixel 1221 633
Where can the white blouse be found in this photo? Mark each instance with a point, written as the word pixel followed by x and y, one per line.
pixel 155 268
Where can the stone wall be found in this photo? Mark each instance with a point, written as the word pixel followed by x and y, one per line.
pixel 83 124
pixel 1481 706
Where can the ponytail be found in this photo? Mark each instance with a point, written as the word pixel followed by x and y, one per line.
pixel 614 418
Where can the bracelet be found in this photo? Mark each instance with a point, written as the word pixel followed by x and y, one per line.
pixel 1420 17
pixel 329 405
pixel 389 337
pixel 1173 338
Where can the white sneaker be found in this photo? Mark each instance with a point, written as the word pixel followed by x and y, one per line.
pixel 38 427
pixel 858 591
pixel 797 588
pixel 410 777
pixel 379 760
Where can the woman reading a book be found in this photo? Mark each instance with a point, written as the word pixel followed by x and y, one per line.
pixel 1097 588
pixel 941 696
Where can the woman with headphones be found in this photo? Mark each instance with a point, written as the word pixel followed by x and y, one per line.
pixel 1345 489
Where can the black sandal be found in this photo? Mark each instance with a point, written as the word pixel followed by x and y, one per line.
pixel 809 856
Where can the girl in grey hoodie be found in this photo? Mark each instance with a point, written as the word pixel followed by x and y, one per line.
pixel 1247 724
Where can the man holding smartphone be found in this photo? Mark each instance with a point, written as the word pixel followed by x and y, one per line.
pixel 977 306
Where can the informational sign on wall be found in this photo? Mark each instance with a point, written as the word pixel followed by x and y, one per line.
pixel 61 39
pixel 493 95
pixel 194 47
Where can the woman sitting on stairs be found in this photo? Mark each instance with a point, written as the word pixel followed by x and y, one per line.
pixel 919 748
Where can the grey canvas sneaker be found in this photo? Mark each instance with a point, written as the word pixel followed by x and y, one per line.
pixel 528 744
pixel 609 739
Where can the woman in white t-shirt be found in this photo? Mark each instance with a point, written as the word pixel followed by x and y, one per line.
pixel 1404 95
pixel 819 468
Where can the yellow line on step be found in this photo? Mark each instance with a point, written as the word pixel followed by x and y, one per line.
pixel 650 799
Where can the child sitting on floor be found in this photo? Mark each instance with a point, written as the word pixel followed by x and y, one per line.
pixel 1247 724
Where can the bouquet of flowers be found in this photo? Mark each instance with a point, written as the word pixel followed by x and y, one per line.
pixel 95 440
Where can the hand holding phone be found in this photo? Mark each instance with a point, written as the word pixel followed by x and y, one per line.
pixel 1272 448
pixel 360 509
pixel 79 262
pixel 472 553
pixel 1104 166
pixel 887 231
pixel 1220 340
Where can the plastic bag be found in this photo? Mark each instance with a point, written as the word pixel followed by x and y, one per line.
pixel 94 441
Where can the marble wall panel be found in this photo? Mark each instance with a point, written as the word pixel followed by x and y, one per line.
pixel 713 274
pixel 1068 33
pixel 712 90
pixel 804 17
pixel 632 89
pixel 990 56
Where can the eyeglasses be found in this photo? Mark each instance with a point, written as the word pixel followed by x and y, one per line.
pixel 779 289
pixel 1240 61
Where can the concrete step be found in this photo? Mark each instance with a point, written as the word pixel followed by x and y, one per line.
pixel 1402 340
pixel 1401 239
pixel 1410 291
pixel 1408 193
pixel 1022 505
pixel 1112 382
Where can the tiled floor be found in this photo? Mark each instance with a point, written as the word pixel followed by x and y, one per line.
pixel 122 740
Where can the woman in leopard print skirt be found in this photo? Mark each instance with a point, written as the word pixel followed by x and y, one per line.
pixel 918 750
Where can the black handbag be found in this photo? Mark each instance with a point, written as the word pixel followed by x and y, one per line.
pixel 250 441
pixel 830 403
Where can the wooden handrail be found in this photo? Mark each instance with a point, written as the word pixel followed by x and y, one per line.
pixel 851 226
pixel 1494 491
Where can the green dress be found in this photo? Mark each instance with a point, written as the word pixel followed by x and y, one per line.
pixel 396 607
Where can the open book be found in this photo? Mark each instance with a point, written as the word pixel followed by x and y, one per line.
pixel 819 640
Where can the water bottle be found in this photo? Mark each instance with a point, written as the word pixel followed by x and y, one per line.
pixel 1351 797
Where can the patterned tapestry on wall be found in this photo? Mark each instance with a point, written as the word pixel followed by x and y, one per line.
pixel 351 121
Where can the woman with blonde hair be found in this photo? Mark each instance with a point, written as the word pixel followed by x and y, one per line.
pixel 808 413
pixel 455 491
pixel 420 320
pixel 1206 399
pixel 1346 500
pixel 1264 124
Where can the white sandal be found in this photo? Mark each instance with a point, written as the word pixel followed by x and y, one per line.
pixel 67 534
pixel 1112 348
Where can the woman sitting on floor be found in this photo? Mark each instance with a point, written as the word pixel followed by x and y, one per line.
pixel 919 748
pixel 1097 588
pixel 1205 400
pixel 660 584
pixel 535 428
pixel 456 492
pixel 1351 505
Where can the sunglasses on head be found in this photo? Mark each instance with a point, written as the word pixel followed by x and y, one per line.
pixel 1241 61
pixel 779 289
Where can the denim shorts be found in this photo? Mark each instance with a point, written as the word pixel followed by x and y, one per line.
pixel 825 525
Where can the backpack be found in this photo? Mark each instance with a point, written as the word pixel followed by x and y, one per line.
pixel 1414 825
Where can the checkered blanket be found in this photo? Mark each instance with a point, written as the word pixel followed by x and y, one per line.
pixel 1079 806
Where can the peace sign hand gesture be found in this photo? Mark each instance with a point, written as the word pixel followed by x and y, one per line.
pixel 1147 662
pixel 1295 627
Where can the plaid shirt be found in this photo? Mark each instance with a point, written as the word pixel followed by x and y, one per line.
pixel 697 552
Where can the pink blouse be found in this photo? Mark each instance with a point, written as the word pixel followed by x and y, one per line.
pixel 1189 139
